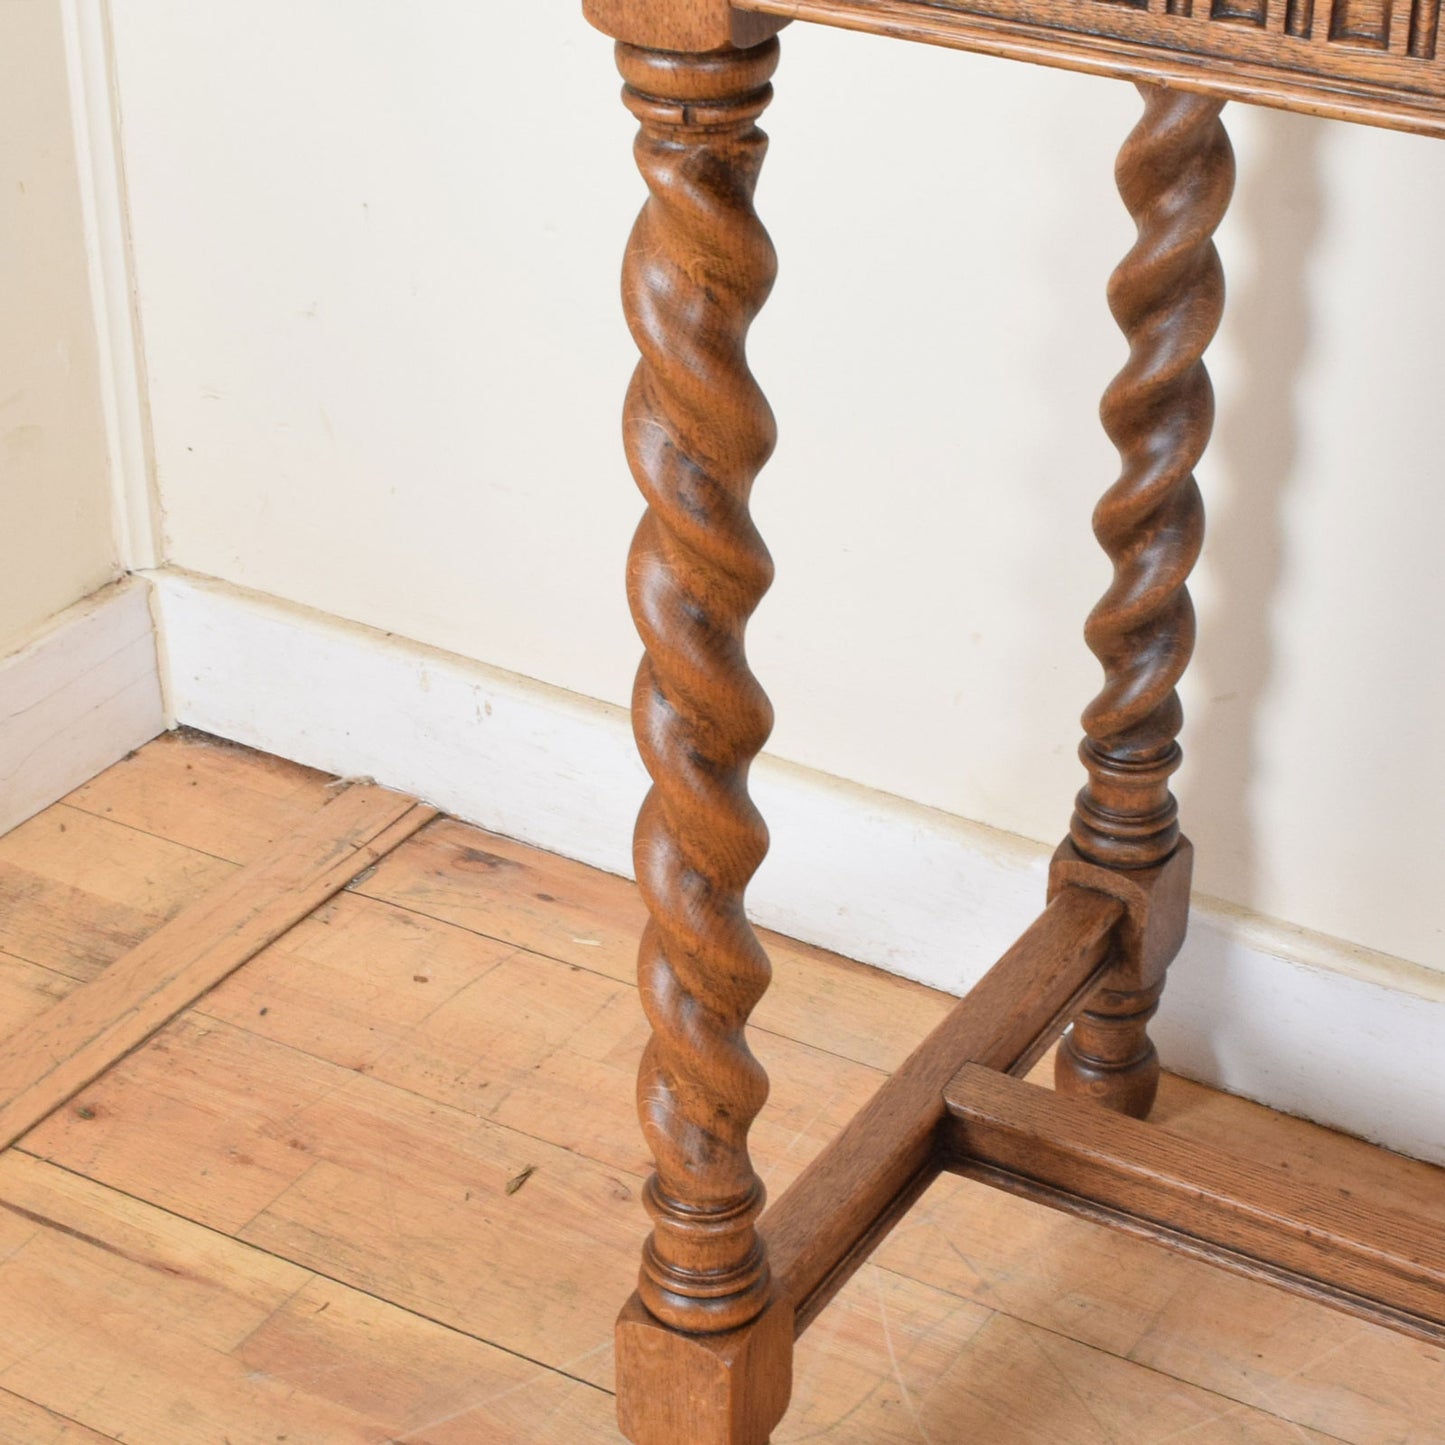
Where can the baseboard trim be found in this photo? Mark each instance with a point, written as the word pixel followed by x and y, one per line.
pixel 76 697
pixel 1307 1024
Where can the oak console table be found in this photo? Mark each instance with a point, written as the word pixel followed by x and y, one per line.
pixel 704 1347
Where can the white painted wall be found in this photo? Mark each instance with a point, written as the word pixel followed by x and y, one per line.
pixel 57 543
pixel 376 251
pixel 1255 1006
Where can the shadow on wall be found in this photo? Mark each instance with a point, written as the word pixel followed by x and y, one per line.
pixel 1251 467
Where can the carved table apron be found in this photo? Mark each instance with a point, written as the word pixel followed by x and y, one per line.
pixel 704 1348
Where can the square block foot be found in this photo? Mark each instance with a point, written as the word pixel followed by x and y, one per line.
pixel 728 1389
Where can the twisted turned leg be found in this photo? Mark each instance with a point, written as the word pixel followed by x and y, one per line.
pixel 1175 174
pixel 698 429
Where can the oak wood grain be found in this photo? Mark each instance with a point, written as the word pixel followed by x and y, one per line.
pixel 1333 1243
pixel 680 25
pixel 698 268
pixel 699 570
pixel 858 1187
pixel 1260 63
pixel 1175 174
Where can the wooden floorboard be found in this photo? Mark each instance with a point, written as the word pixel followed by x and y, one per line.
pixel 338 1132
pixel 22 1422
pixel 577 915
pixel 78 892
pixel 133 1323
pixel 207 795
pixel 59 1051
pixel 28 990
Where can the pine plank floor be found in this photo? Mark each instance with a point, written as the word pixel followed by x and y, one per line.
pixel 381 1184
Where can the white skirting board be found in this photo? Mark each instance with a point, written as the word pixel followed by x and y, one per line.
pixel 1306 1024
pixel 76 697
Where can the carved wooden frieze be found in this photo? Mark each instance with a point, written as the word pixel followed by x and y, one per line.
pixel 1374 61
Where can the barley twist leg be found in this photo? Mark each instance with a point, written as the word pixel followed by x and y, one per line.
pixel 698 429
pixel 1175 174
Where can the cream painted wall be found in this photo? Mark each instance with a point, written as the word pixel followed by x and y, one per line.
pixel 376 251
pixel 57 543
